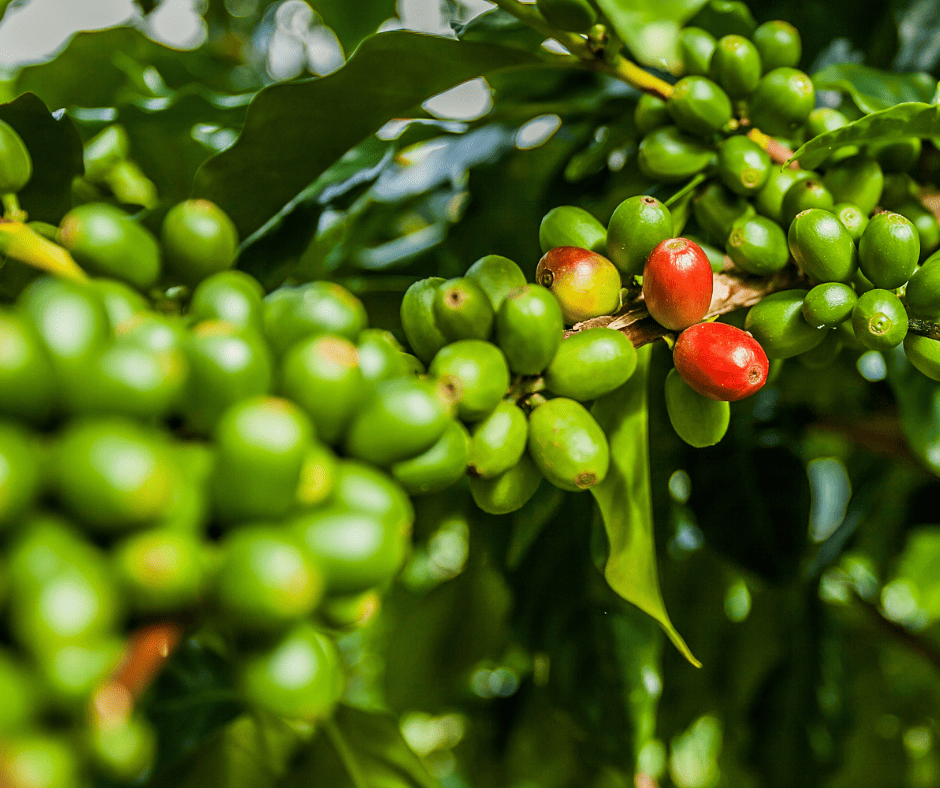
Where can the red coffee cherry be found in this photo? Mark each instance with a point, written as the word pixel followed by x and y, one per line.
pixel 720 361
pixel 677 283
pixel 585 283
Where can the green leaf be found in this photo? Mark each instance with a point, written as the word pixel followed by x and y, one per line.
pixel 294 131
pixel 873 89
pixel 918 407
pixel 500 27
pixel 625 500
pixel 360 749
pixel 56 151
pixel 914 119
pixel 352 22
pixel 650 28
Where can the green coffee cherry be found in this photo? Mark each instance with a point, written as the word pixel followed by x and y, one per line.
pixel 888 250
pixel 16 165
pixel 568 445
pixel 585 283
pixel 294 313
pixel 699 106
pixel 829 304
pixel 670 156
pixel 782 101
pixel 777 323
pixel 650 113
pixel 724 17
pixel 824 354
pixel 121 302
pixel 322 375
pixel 300 677
pixel 636 227
pixel 438 468
pixel 924 354
pixel 698 420
pixel 590 364
pixel 744 167
pixel 233 296
pixel 825 119
pixel 107 241
pixel 418 320
pixel 879 320
pixel 508 491
pixel 897 155
pixel 851 218
pixel 575 16
pixel 364 488
pixel 161 570
pixel 404 418
pixel 779 45
pixel 716 209
pixel 568 225
pixel 266 580
pixel 380 356
pixel 529 329
pixel 20 473
pixel 28 758
pixel 900 189
pixel 736 66
pixel 922 295
pixel 497 442
pixel 27 383
pixel 822 247
pixel 72 670
pixel 803 195
pixel 124 751
pixel 696 47
pixel 317 476
pixel 928 228
pixel 199 240
pixel 477 374
pixel 858 180
pixel 20 696
pixel 757 245
pixel 463 311
pixel 497 277
pixel 769 200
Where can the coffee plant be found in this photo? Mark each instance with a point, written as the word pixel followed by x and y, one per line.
pixel 545 396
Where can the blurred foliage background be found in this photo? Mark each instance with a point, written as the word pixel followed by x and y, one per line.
pixel 800 558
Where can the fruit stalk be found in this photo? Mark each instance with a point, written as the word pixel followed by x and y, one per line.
pixel 22 243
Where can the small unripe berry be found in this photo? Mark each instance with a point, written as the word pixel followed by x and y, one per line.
pixel 677 283
pixel 585 283
pixel 720 361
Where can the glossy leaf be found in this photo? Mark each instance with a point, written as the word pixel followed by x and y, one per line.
pixel 918 407
pixel 873 89
pixel 650 28
pixel 500 27
pixel 625 500
pixel 293 132
pixel 352 22
pixel 914 119
pixel 56 150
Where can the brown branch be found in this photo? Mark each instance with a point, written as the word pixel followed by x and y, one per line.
pixel 778 152
pixel 917 644
pixel 923 328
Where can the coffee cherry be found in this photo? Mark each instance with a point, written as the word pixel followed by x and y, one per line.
pixel 637 225
pixel 497 442
pixel 822 247
pixel 437 468
pixel 463 311
pixel 699 421
pixel 16 165
pixel 41 760
pixel 476 374
pixel 928 228
pixel 294 313
pixel 716 208
pixel 827 305
pixel 508 491
pixel 121 302
pixel 924 355
pixel 418 320
pixel 824 354
pixel 720 362
pixel 591 363
pixel 233 296
pixel 888 250
pixel 777 323
pixel 897 155
pixel 364 488
pixel 19 693
pixel 779 45
pixel 736 66
pixel 123 750
pixel 529 329
pixel 803 195
pixel 568 445
pixel 585 283
pixel 27 385
pixel 783 99
pixel 879 320
pixel 497 277
pixel 744 167
pixel 825 119
pixel 757 245
pixel 852 219
pixel 923 290
pixel 669 156
pixel 696 47
pixel 858 180
pixel 769 200
pixel 380 356
pixel 161 570
pixel 677 283
pixel 568 225
pixel 651 113
pixel 575 16
pixel 199 240
pixel 699 106
pixel 900 189
pixel 20 474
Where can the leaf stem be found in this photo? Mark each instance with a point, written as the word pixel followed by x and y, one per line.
pixel 356 777
pixel 12 209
